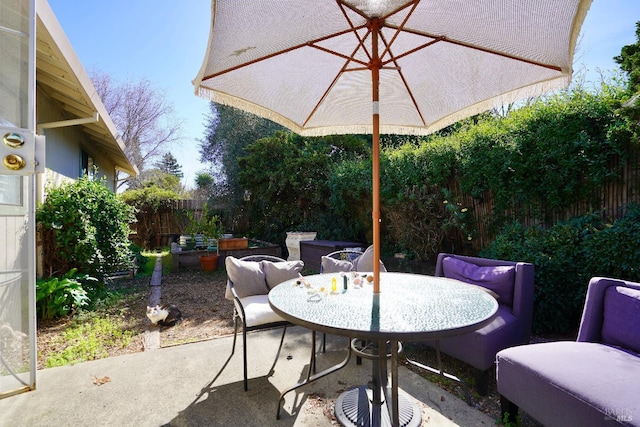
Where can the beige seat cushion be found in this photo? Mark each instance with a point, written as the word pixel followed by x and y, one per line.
pixel 258 311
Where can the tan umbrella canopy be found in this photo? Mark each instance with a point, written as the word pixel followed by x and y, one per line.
pixel 394 67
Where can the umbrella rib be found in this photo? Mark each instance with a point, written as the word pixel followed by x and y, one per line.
pixel 355 32
pixel 341 55
pixel 404 81
pixel 311 43
pixel 348 59
pixel 471 46
pixel 397 30
pixel 342 70
pixel 415 49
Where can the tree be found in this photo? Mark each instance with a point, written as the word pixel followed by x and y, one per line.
pixel 170 165
pixel 629 61
pixel 143 116
pixel 288 178
pixel 205 186
pixel 228 132
pixel 156 178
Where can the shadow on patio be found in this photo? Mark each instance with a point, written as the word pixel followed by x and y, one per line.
pixel 197 384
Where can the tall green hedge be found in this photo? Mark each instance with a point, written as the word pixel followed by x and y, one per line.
pixel 536 162
pixel 85 226
pixel 566 256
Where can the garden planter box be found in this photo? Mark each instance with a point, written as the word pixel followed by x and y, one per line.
pixel 191 259
pixel 234 243
pixel 186 259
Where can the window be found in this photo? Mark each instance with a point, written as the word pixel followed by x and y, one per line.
pixel 87 165
pixel 11 190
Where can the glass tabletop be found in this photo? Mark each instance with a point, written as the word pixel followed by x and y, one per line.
pixel 408 307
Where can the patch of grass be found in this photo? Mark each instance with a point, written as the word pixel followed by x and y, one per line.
pixel 89 340
pixel 146 270
pixel 166 261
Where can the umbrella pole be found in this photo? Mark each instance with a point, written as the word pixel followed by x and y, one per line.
pixel 375 153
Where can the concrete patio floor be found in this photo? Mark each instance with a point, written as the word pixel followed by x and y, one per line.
pixel 198 385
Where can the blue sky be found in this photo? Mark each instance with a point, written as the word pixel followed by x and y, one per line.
pixel 164 41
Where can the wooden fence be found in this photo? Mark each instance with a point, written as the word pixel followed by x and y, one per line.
pixel 611 199
pixel 158 228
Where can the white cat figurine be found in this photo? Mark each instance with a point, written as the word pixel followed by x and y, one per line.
pixel 164 315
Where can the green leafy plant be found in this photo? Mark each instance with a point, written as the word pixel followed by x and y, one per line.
pixel 208 225
pixel 508 420
pixel 57 297
pixel 85 226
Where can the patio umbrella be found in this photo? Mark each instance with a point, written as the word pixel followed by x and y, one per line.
pixel 393 67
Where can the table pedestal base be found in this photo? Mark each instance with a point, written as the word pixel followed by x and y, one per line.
pixel 354 407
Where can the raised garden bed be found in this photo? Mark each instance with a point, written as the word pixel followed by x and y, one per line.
pixel 191 259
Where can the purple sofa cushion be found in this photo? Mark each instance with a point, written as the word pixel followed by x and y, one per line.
pixel 568 383
pixel 621 318
pixel 499 279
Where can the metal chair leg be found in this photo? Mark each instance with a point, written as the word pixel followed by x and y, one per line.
pixel 312 362
pixel 244 355
pixel 235 333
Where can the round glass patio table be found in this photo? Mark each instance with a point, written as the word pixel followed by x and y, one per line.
pixel 409 307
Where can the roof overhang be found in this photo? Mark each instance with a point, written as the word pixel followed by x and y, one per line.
pixel 61 76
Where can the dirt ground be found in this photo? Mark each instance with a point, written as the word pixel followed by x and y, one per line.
pixel 199 296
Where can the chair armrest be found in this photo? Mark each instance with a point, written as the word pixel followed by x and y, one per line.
pixel 439 272
pixel 593 313
pixel 236 300
pixel 523 296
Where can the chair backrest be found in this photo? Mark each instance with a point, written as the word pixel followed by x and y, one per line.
pixel 338 261
pixel 521 298
pixel 259 257
pixel 611 313
pixel 257 274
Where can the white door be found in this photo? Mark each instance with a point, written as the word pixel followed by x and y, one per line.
pixel 17 199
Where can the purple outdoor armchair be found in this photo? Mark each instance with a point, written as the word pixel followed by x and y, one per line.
pixel 512 283
pixel 594 381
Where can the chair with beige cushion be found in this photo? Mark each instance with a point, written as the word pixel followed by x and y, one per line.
pixel 347 260
pixel 249 281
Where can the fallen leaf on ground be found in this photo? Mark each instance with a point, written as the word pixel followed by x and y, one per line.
pixel 101 380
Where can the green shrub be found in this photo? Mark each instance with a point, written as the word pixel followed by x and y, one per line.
pixel 85 226
pixel 613 251
pixel 566 256
pixel 57 297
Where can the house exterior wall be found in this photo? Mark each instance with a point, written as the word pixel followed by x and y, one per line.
pixel 64 147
